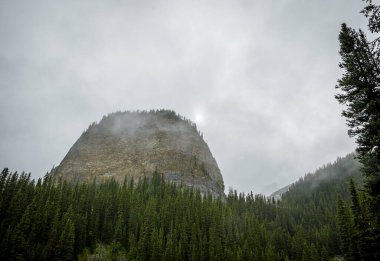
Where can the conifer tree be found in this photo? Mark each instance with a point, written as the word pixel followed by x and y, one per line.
pixel 65 245
pixel 360 92
pixel 345 227
pixel 66 241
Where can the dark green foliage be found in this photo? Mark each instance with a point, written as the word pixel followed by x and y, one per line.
pixel 312 204
pixel 360 92
pixel 154 220
pixel 345 226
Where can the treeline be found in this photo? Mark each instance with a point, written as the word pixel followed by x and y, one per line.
pixel 154 220
pixel 149 118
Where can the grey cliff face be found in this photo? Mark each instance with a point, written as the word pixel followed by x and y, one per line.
pixel 136 144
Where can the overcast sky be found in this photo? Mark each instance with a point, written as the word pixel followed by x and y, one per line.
pixel 257 77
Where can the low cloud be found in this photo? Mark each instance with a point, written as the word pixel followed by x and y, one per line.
pixel 257 76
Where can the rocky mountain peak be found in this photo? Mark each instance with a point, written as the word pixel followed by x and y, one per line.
pixel 136 144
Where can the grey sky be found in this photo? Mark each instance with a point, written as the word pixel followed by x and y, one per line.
pixel 258 77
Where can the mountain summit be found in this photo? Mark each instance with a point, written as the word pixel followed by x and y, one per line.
pixel 138 144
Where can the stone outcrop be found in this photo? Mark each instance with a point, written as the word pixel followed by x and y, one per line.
pixel 136 144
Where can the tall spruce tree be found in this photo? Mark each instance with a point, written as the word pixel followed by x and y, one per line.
pixel 360 92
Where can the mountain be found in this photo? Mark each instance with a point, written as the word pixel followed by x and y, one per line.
pixel 332 173
pixel 312 200
pixel 134 145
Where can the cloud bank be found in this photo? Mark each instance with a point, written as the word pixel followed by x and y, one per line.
pixel 258 77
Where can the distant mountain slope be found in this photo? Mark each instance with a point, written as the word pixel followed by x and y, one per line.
pixel 312 200
pixel 311 204
pixel 341 170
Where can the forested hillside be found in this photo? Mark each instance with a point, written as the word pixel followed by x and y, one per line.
pixel 323 186
pixel 312 200
pixel 154 220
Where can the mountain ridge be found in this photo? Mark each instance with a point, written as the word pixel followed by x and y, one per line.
pixel 341 169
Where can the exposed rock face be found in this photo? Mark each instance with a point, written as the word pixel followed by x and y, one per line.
pixel 136 144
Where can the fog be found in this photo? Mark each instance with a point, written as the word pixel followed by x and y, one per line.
pixel 257 77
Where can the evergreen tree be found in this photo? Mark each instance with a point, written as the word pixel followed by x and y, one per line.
pixel 65 245
pixel 345 227
pixel 360 92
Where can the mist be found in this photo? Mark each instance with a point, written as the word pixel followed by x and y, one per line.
pixel 257 77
